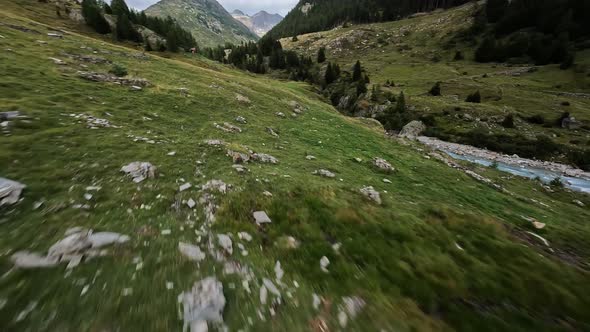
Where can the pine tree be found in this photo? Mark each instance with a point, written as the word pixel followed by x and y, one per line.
pixel 329 77
pixel 119 8
pixel 357 71
pixel 435 90
pixel 474 98
pixel 171 42
pixel 321 55
pixel 93 16
pixel 125 29
pixel 495 9
pixel 400 107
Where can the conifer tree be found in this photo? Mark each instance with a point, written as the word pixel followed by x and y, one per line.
pixel 357 71
pixel 321 55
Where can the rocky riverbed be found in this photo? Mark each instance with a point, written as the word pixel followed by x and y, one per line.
pixel 467 150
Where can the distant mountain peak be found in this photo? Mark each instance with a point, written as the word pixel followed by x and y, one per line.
pixel 259 23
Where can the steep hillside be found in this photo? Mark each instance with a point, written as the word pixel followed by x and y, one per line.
pixel 357 246
pixel 411 55
pixel 208 21
pixel 318 15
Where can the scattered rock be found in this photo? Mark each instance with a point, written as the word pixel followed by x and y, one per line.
pixel 245 236
pixel 55 35
pixel 225 242
pixel 261 218
pixel 288 242
pixel 387 181
pixel 358 160
pixel 79 242
pixel 58 61
pixel 577 202
pixel 324 262
pixel 241 119
pixel 272 132
pixel 27 260
pixel 202 304
pixel 242 99
pixel 94 122
pixel 214 142
pixel 139 170
pixel 192 252
pixel 240 168
pixel 263 295
pixel 184 187
pixel 267 193
pixel 280 114
pixel 270 286
pixel 412 129
pixel 371 194
pixel 324 173
pixel 216 185
pixel 228 128
pixel 191 203
pixel 238 157
pixel 99 77
pixel 10 191
pixel 310 157
pixel 264 158
pixel 383 164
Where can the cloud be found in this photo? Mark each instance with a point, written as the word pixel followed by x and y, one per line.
pixel 247 6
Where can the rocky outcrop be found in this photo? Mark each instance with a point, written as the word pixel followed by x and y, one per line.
pixel 412 129
pixel 202 304
pixel 10 191
pixel 103 77
pixel 153 39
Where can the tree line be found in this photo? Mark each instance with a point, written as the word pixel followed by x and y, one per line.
pixel 94 12
pixel 546 31
pixel 327 14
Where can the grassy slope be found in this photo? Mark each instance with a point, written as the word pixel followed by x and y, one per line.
pixel 195 17
pixel 402 52
pixel 400 257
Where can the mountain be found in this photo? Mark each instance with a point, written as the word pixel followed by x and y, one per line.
pixel 207 20
pixel 259 23
pixel 315 15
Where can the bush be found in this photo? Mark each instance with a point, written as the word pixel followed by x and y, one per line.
pixel 474 98
pixel 118 70
pixel 536 119
pixel 459 56
pixel 508 121
pixel 556 183
pixel 435 90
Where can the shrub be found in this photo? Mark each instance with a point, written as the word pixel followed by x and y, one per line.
pixel 556 183
pixel 459 56
pixel 435 90
pixel 118 70
pixel 508 121
pixel 536 119
pixel 474 98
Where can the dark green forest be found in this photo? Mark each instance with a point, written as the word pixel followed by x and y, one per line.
pixel 326 14
pixel 546 31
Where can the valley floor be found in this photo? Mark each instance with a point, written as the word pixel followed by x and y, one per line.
pixel 350 246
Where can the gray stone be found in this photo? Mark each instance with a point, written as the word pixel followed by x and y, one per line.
pixel 241 119
pixel 325 173
pixel 184 187
pixel 139 170
pixel 102 239
pixel 225 242
pixel 324 262
pixel 383 164
pixel 412 129
pixel 203 303
pixel 371 194
pixel 264 158
pixel 10 191
pixel 192 252
pixel 216 185
pixel 271 287
pixel 28 260
pixel 261 218
pixel 245 236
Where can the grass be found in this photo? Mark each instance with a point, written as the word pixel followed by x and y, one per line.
pixel 401 257
pixel 404 51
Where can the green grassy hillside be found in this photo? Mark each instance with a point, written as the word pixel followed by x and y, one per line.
pixel 207 20
pixel 442 252
pixel 416 53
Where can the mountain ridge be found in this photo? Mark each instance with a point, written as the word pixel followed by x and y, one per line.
pixel 259 23
pixel 207 20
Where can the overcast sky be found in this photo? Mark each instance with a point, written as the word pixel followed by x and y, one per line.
pixel 247 6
